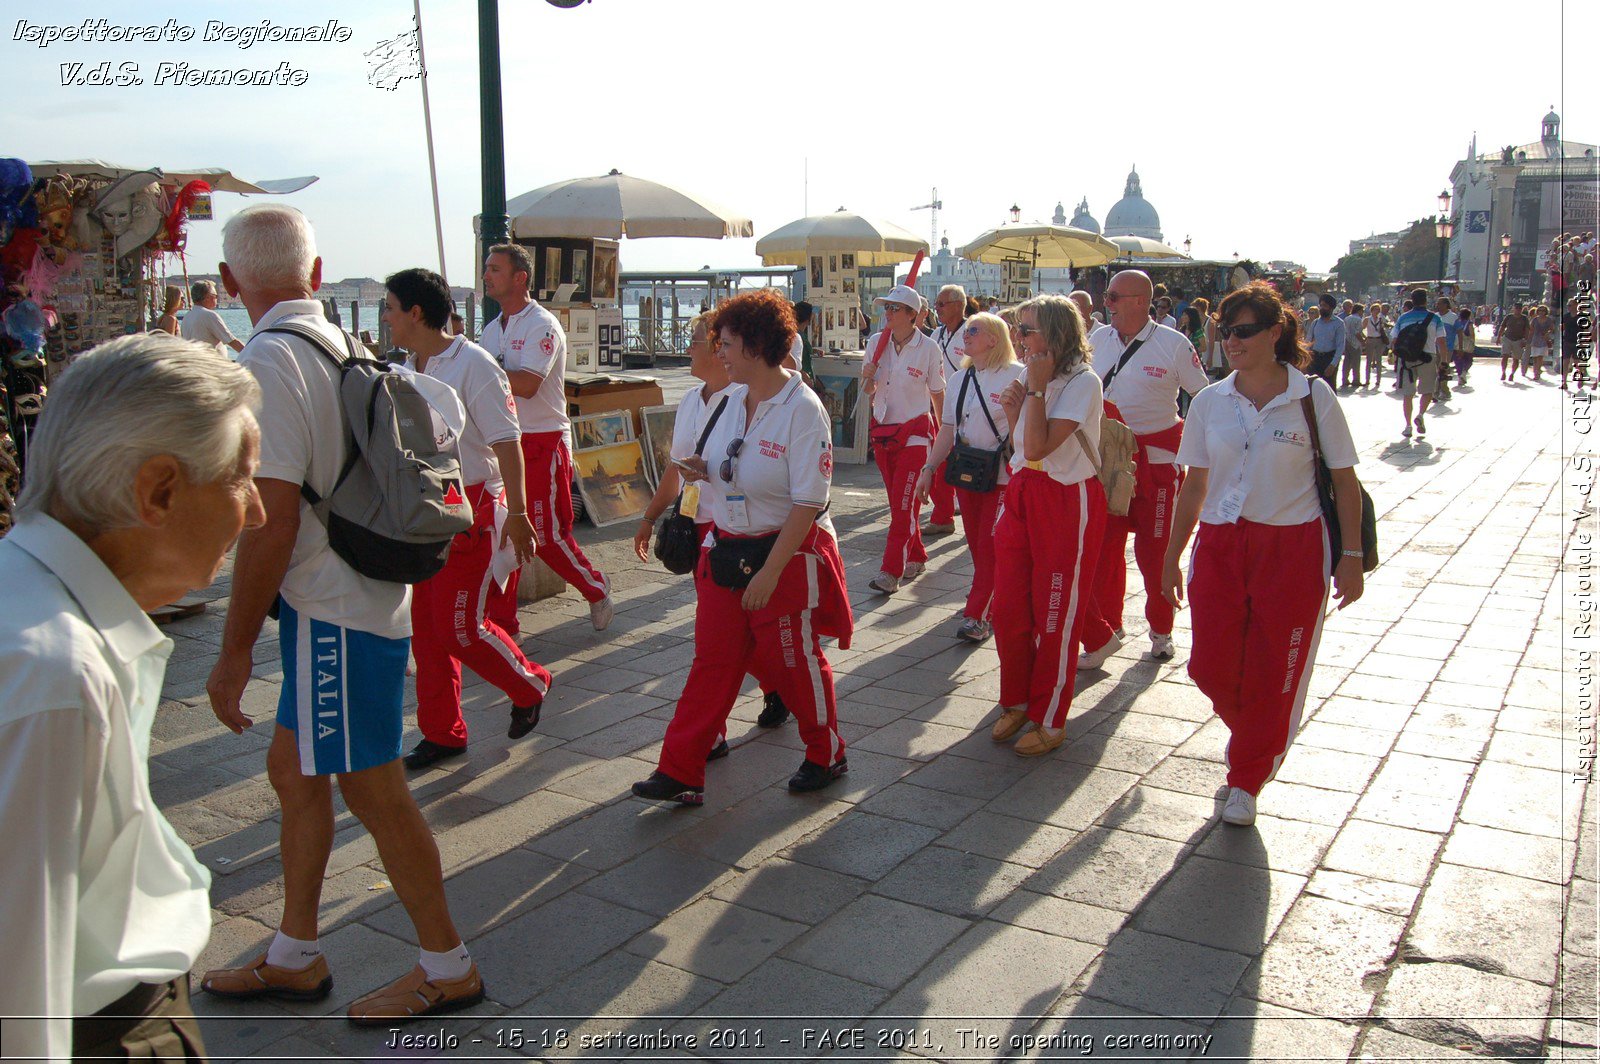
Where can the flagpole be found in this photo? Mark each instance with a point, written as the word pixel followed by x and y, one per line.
pixel 427 122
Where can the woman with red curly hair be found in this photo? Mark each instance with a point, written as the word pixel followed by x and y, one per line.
pixel 770 583
pixel 1258 579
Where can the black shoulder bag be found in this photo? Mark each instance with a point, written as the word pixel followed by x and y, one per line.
pixel 1330 508
pixel 974 468
pixel 677 546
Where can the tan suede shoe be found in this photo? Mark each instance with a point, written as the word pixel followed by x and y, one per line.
pixel 260 979
pixel 1010 722
pixel 412 997
pixel 1040 741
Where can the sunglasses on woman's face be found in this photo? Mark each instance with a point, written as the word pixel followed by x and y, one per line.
pixel 971 330
pixel 726 471
pixel 1243 330
pixel 1026 331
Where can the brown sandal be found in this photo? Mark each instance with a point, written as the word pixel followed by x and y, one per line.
pixel 413 996
pixel 260 979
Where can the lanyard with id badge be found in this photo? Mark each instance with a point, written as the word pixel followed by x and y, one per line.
pixel 1231 505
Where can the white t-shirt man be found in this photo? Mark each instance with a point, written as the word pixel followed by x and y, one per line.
pixel 905 377
pixel 1278 469
pixel 1145 390
pixel 952 347
pixel 206 326
pixel 303 441
pixel 533 340
pixel 481 384
pixel 1075 397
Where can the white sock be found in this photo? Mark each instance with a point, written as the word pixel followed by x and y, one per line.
pixel 449 965
pixel 292 953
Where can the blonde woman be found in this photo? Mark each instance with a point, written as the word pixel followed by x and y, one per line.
pixel 973 414
pixel 168 322
pixel 1047 538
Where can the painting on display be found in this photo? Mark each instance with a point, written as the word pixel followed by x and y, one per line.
pixel 839 384
pixel 847 261
pixel 816 273
pixel 613 482
pixel 658 425
pixel 602 430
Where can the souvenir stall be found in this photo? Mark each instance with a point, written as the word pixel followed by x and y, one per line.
pixel 86 249
pixel 848 259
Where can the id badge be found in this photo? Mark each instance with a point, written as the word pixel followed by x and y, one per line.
pixel 689 504
pixel 1232 504
pixel 738 513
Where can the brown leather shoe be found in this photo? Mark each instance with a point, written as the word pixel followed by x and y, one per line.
pixel 1010 722
pixel 260 979
pixel 1040 741
pixel 412 997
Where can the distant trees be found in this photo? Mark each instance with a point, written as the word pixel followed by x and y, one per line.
pixel 1363 270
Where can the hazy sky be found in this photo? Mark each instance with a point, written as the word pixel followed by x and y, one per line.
pixel 1276 132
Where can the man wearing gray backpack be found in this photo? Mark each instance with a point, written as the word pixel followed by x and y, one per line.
pixel 345 637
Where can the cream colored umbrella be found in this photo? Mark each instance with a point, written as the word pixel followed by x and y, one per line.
pixel 875 242
pixel 1142 247
pixel 1042 245
pixel 615 205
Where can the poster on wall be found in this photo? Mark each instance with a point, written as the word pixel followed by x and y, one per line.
pixel 816 273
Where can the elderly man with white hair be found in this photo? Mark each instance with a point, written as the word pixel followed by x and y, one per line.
pixel 345 639
pixel 139 481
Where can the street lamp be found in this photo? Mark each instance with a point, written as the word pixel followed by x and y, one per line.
pixel 1186 243
pixel 1016 213
pixel 493 223
pixel 1443 230
pixel 1505 267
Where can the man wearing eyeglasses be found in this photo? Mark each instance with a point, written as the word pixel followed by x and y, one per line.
pixel 1142 366
pixel 951 307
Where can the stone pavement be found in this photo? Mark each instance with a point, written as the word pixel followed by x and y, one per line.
pixel 1420 883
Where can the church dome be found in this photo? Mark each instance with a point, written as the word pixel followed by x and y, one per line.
pixel 1082 219
pixel 1132 215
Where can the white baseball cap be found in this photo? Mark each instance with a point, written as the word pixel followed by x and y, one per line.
pixel 903 294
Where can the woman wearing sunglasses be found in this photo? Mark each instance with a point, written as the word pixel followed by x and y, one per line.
pixel 905 385
pixel 770 583
pixel 972 412
pixel 694 412
pixel 1047 538
pixel 1258 579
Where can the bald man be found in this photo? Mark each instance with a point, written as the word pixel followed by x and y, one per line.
pixel 1142 365
pixel 1085 304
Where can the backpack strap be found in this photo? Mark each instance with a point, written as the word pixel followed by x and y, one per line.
pixel 343 362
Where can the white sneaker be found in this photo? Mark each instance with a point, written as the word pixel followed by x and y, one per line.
pixel 974 631
pixel 1241 808
pixel 1093 659
pixel 600 613
pixel 913 570
pixel 1161 647
pixel 884 584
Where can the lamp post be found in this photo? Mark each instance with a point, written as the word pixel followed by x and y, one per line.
pixel 1016 213
pixel 1505 267
pixel 1186 244
pixel 492 222
pixel 1442 229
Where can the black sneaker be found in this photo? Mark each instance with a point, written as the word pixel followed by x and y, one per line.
pixel 661 787
pixel 428 752
pixel 718 752
pixel 813 777
pixel 773 711
pixel 523 720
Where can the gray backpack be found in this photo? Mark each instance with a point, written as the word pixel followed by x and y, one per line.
pixel 398 500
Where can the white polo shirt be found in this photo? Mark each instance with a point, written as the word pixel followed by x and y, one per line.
pixel 786 460
pixel 987 386
pixel 303 441
pixel 1072 398
pixel 206 326
pixel 482 387
pixel 1146 389
pixel 1277 471
pixel 693 410
pixel 533 340
pixel 952 348
pixel 906 378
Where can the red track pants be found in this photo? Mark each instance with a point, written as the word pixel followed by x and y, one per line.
pixel 978 512
pixel 1149 518
pixel 547 473
pixel 1047 542
pixel 943 497
pixel 778 642
pixel 449 629
pixel 900 458
pixel 1257 594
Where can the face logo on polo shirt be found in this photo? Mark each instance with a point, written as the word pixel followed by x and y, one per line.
pixel 825 463
pixel 1156 371
pixel 1287 436
pixel 548 344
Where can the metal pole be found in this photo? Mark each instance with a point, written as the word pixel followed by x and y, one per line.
pixel 427 124
pixel 492 127
pixel 472 317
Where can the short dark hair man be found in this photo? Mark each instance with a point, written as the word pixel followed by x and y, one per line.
pixel 1419 380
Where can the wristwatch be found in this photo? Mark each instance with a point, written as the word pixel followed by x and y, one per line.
pixel 1353 553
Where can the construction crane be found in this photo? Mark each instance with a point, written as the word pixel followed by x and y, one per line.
pixel 934 205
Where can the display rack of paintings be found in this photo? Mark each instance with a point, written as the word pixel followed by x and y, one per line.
pixel 1017 277
pixel 658 425
pixel 839 388
pixel 835 290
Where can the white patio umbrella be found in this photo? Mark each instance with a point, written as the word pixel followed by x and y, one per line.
pixel 1043 245
pixel 1142 247
pixel 615 205
pixel 875 242
pixel 219 178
